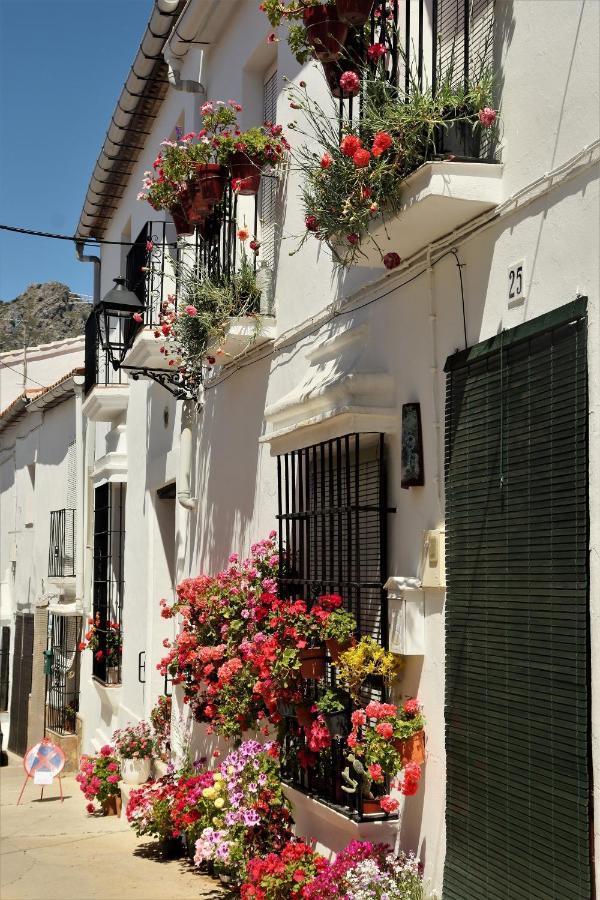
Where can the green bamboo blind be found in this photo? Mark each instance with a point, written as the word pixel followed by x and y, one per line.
pixel 517 654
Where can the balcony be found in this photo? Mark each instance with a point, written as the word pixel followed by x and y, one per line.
pixel 437 199
pixel 432 46
pixel 157 276
pixel 61 551
pixel 106 390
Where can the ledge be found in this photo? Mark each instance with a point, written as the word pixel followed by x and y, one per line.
pixel 105 403
pixel 436 199
pixel 145 353
pixel 340 394
pixel 242 336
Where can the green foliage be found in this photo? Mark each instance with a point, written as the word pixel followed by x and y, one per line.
pixel 340 626
pixel 342 198
pixel 362 661
pixel 331 702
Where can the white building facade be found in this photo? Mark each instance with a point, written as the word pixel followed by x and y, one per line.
pixel 341 361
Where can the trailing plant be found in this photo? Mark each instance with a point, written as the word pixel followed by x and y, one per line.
pixel 349 184
pixel 206 305
pixel 366 659
pixel 331 702
pixel 278 11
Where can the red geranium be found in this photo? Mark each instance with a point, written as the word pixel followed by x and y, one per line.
pixel 350 144
pixel 381 142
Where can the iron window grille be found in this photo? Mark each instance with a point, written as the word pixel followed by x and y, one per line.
pixel 4 667
pixel 61 552
pixel 427 42
pixel 109 538
pixel 64 635
pixel 333 510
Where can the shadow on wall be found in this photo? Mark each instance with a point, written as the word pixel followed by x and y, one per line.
pixel 227 469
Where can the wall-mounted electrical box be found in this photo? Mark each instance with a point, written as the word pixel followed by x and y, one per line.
pixel 433 574
pixel 406 616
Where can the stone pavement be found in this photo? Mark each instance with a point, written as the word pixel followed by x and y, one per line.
pixel 55 851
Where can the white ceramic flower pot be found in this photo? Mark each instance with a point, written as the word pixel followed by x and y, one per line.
pixel 135 771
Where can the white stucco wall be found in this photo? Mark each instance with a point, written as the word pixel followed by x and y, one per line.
pixel 46 363
pixel 549 104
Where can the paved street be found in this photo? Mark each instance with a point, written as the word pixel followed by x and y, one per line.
pixel 51 850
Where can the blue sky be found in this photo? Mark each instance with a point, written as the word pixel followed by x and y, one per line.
pixel 62 66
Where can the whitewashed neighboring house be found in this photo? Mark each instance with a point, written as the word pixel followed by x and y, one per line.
pixel 37 367
pixel 41 556
pixel 511 650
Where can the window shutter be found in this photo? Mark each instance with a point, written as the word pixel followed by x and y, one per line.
pixel 517 694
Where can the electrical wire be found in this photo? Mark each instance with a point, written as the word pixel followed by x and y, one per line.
pixel 22 374
pixel 335 315
pixel 64 237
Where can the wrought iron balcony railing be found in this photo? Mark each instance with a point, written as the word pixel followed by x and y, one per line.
pixel 428 42
pixel 61 553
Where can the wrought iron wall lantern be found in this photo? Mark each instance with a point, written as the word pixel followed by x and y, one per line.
pixel 119 320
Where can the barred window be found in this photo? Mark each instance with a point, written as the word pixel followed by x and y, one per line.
pixel 333 511
pixel 109 537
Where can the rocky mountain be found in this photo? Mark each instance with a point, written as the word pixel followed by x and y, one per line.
pixel 41 314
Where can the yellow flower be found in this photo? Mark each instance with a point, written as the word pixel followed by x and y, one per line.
pixel 219 802
pixel 218 776
pixel 209 793
pixel 216 821
pixel 230 769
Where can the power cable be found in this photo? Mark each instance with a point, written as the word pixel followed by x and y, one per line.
pixel 23 375
pixel 64 237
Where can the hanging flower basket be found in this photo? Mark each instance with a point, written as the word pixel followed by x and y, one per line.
pixel 412 749
pixel 112 805
pixel 312 663
pixel 210 180
pixel 354 12
pixel 245 174
pixel 325 32
pixel 180 221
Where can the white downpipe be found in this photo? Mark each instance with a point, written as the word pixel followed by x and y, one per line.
pixel 434 370
pixel 184 493
pixel 80 517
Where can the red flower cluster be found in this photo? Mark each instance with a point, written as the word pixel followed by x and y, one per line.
pixel 412 776
pixel 282 875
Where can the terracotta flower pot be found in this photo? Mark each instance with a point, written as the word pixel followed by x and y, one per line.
pixel 325 32
pixel 354 12
pixel 335 647
pixel 180 221
pixel 412 749
pixel 312 663
pixel 304 715
pixel 112 805
pixel 210 180
pixel 370 806
pixel 195 205
pixel 244 168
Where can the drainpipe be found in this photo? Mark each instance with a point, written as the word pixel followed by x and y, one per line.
pixel 90 259
pixel 185 454
pixel 434 381
pixel 80 517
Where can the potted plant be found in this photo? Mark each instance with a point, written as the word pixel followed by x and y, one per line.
pixel 409 733
pixel 135 745
pixel 357 180
pixel 367 659
pixel 325 31
pixel 338 632
pixel 98 778
pixel 250 152
pixel 149 811
pixel 284 874
pixel 377 752
pixel 106 643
